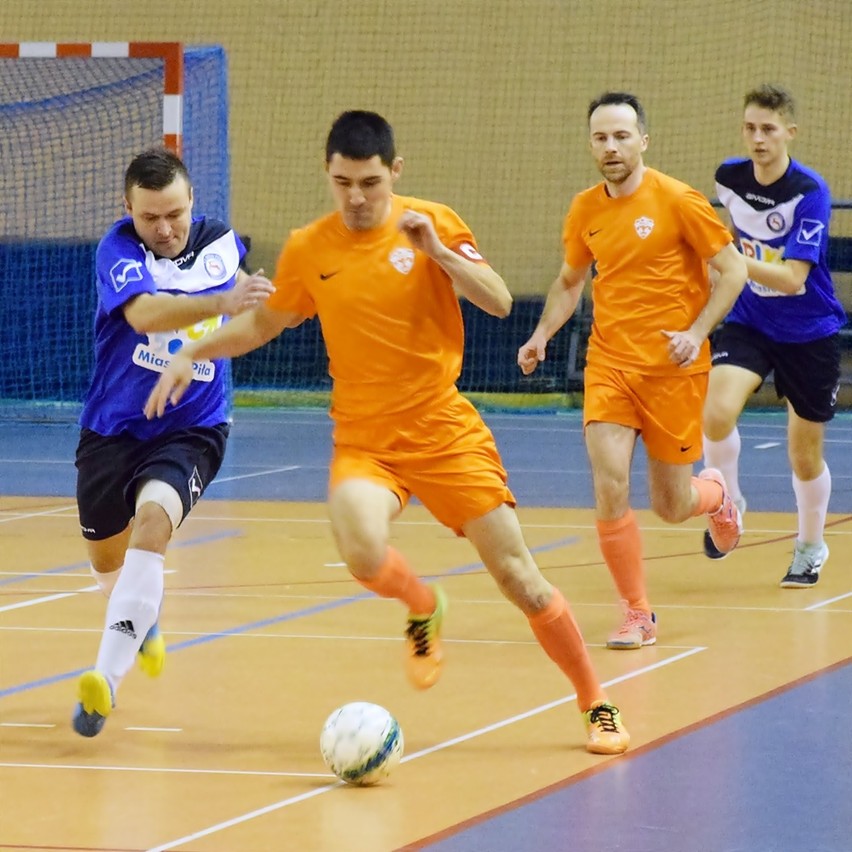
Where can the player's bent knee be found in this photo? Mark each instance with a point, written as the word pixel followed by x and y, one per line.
pixel 165 496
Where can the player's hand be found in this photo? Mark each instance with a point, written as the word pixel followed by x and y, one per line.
pixel 684 347
pixel 531 353
pixel 171 385
pixel 421 233
pixel 249 292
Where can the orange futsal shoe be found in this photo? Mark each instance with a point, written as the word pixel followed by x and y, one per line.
pixel 606 734
pixel 638 628
pixel 423 642
pixel 725 525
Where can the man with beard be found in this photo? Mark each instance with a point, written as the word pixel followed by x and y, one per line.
pixel 650 238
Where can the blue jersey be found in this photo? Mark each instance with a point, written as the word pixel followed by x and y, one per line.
pixel 787 220
pixel 127 364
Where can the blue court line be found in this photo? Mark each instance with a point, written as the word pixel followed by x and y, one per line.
pixel 20 578
pixel 278 619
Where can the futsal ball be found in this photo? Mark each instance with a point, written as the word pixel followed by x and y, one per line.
pixel 361 743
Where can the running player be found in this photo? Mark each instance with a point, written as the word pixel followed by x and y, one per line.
pixel 383 273
pixel 786 320
pixel 650 238
pixel 158 269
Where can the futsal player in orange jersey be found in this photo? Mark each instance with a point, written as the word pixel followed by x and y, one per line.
pixel 384 273
pixel 650 238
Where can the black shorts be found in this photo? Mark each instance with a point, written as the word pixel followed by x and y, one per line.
pixel 807 374
pixel 111 469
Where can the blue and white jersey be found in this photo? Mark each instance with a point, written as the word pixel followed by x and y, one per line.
pixel 787 220
pixel 128 364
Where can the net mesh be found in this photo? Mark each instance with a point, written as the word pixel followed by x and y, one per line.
pixel 487 98
pixel 68 128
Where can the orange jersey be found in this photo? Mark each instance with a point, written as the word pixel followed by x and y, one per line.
pixel 390 316
pixel 650 251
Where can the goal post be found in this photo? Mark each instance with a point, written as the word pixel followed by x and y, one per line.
pixel 72 116
pixel 170 52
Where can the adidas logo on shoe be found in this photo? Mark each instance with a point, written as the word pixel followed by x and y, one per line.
pixel 124 627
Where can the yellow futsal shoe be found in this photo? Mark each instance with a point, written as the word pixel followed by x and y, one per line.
pixel 423 642
pixel 95 704
pixel 152 652
pixel 606 734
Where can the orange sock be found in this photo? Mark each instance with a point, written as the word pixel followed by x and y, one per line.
pixel 558 634
pixel 709 496
pixel 621 546
pixel 395 579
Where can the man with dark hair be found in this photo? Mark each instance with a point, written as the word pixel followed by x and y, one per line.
pixel 383 273
pixel 786 320
pixel 164 278
pixel 650 238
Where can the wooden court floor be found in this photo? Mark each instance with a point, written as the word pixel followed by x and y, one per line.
pixel 267 634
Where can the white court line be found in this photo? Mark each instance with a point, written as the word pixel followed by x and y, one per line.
pixel 252 475
pixel 162 730
pixel 213 829
pixel 47 599
pixel 27 725
pixel 22 516
pixel 815 606
pixel 166 769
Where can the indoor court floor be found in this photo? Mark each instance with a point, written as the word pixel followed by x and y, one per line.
pixel 738 715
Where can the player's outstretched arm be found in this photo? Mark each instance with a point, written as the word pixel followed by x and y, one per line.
pixel 248 331
pixel 151 312
pixel 561 302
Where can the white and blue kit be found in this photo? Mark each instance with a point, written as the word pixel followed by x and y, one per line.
pixel 787 220
pixel 128 364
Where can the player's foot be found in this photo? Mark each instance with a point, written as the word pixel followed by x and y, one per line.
pixel 710 550
pixel 804 570
pixel 725 524
pixel 152 652
pixel 96 703
pixel 638 628
pixel 606 734
pixel 423 641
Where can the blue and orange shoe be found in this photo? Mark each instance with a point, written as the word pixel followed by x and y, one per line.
pixel 96 701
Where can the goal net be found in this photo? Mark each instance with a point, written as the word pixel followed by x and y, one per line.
pixel 71 119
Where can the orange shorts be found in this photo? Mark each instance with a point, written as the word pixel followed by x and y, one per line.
pixel 667 410
pixel 446 457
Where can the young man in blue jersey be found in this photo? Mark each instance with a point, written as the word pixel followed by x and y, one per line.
pixel 164 278
pixel 786 320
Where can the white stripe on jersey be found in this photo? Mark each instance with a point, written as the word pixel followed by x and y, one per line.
pixel 217 263
pixel 753 222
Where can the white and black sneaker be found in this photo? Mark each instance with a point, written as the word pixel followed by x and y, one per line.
pixel 806 565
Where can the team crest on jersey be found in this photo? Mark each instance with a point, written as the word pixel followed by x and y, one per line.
pixel 644 226
pixel 402 260
pixel 124 271
pixel 775 222
pixel 215 266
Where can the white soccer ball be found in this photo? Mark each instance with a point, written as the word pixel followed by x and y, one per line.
pixel 361 743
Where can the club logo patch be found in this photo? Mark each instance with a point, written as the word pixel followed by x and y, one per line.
pixel 124 271
pixel 402 260
pixel 195 486
pixel 775 222
pixel 214 266
pixel 644 226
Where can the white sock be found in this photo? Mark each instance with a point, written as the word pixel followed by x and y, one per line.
pixel 132 610
pixel 812 502
pixel 724 455
pixel 106 582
